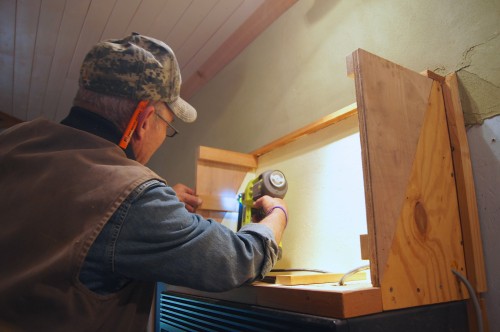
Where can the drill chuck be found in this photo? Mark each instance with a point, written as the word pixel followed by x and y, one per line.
pixel 272 183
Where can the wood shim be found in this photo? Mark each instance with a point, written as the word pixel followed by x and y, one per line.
pixel 320 278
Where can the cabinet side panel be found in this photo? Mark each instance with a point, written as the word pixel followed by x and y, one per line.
pixel 392 101
pixel 411 202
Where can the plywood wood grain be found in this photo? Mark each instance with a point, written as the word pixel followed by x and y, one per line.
pixel 221 156
pixel 427 241
pixel 327 301
pixel 412 210
pixel 219 175
pixel 390 101
pixel 320 278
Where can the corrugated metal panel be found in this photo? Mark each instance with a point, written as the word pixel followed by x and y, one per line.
pixel 177 312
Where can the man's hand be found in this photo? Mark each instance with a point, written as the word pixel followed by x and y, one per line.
pixel 187 196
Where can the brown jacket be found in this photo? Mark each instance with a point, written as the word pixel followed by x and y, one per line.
pixel 58 187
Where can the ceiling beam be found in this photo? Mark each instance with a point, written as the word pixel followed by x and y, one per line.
pixel 264 16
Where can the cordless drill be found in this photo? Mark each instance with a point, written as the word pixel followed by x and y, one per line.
pixel 272 183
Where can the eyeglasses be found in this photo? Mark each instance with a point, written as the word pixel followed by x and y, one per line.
pixel 171 131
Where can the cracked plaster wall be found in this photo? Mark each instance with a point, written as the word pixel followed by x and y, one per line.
pixel 479 81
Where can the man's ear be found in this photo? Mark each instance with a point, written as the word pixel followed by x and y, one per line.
pixel 144 122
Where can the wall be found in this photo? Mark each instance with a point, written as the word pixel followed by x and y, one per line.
pixel 295 73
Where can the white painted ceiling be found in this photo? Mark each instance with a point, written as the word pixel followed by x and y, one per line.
pixel 43 42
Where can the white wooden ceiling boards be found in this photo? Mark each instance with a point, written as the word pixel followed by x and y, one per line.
pixel 43 42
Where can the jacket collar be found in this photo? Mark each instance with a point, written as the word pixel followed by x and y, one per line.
pixel 82 119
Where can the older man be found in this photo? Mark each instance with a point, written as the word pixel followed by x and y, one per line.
pixel 87 229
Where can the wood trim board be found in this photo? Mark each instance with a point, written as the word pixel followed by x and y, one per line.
pixel 469 216
pixel 324 122
pixel 314 278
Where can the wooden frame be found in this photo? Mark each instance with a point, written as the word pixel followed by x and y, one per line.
pixel 420 202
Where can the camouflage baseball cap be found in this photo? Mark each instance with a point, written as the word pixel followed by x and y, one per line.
pixel 138 68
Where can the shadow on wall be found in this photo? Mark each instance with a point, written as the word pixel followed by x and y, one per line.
pixel 320 9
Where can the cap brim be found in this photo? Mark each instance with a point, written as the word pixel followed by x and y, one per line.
pixel 183 110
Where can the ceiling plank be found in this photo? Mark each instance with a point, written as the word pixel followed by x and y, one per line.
pixel 167 19
pixel 51 13
pixel 218 15
pixel 43 42
pixel 147 13
pixel 91 32
pixel 241 14
pixel 266 14
pixel 27 14
pixel 7 28
pixel 67 38
pixel 119 20
pixel 196 13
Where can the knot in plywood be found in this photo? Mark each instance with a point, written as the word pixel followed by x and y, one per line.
pixel 421 219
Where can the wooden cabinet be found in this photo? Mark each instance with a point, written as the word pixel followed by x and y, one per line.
pixel 418 218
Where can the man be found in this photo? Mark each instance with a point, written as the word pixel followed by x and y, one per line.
pixel 87 229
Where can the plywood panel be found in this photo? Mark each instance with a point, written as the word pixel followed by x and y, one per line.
pixel 412 210
pixel 227 157
pixel 391 106
pixel 219 176
pixel 428 241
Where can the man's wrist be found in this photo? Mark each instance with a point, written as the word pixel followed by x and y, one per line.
pixel 278 207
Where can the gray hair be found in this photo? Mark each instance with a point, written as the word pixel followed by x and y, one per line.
pixel 116 109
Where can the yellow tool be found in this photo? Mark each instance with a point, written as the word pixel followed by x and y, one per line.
pixel 272 183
